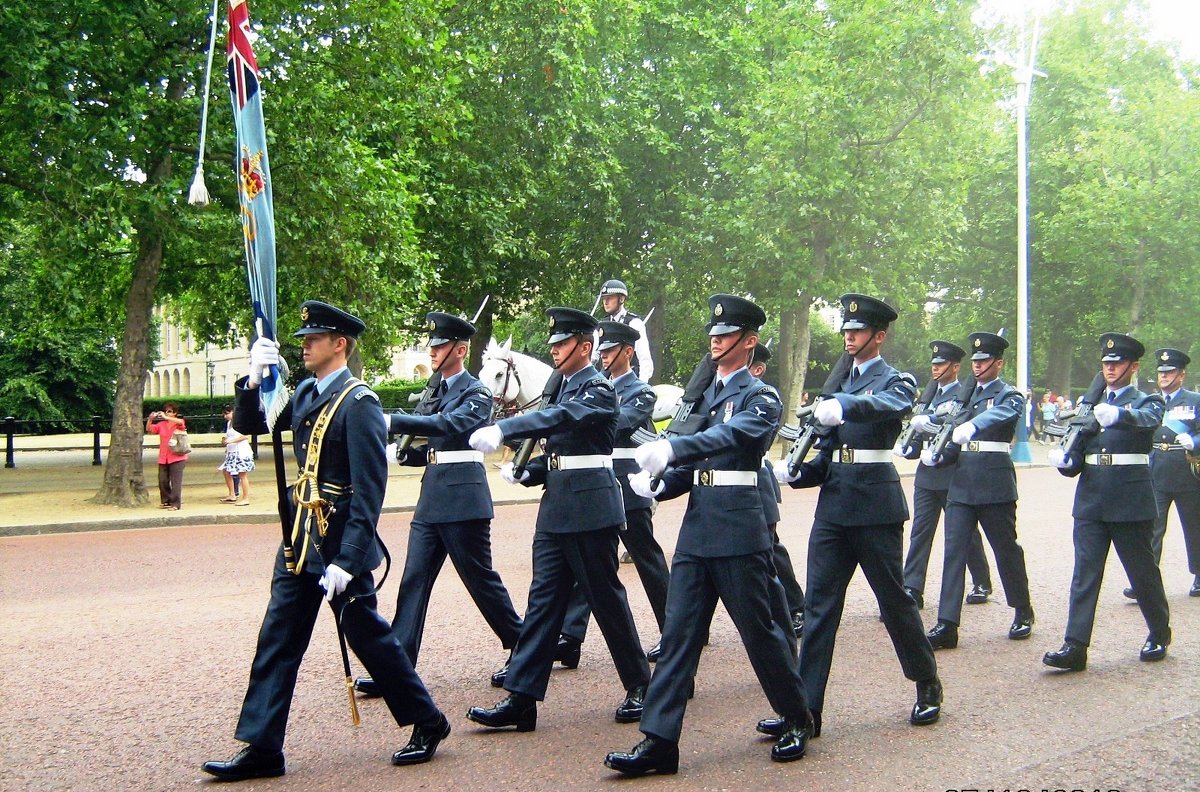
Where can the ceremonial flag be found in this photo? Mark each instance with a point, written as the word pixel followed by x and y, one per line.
pixel 253 175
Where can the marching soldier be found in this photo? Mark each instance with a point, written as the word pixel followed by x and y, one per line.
pixel 724 548
pixel 613 294
pixel 860 514
pixel 983 493
pixel 454 511
pixel 636 399
pixel 1170 470
pixel 575 540
pixel 339 442
pixel 1114 505
pixel 932 483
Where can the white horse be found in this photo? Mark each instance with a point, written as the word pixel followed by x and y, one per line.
pixel 516 380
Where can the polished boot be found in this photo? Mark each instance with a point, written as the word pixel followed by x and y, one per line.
pixel 794 741
pixel 978 595
pixel 367 687
pixel 772 727
pixel 568 651
pixel 655 653
pixel 798 623
pixel 1194 591
pixel 916 597
pixel 1152 651
pixel 1022 626
pixel 424 742
pixel 501 675
pixel 1130 593
pixel 1071 657
pixel 249 762
pixel 516 709
pixel 630 710
pixel 928 708
pixel 944 635
pixel 651 755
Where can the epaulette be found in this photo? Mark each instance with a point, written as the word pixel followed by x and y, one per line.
pixel 363 390
pixel 480 390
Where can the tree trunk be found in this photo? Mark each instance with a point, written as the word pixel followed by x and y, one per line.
pixel 794 338
pixel 124 481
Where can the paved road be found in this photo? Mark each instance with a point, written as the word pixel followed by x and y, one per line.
pixel 126 655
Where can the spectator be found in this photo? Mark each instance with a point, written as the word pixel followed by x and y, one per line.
pixel 165 423
pixel 238 463
pixel 1049 413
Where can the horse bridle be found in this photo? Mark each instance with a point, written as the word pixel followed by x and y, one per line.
pixel 511 372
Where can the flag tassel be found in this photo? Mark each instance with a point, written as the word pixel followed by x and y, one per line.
pixel 198 193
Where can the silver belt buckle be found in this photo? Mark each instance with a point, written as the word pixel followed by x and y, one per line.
pixel 706 478
pixel 973 445
pixel 846 456
pixel 1104 459
pixel 554 461
pixel 432 457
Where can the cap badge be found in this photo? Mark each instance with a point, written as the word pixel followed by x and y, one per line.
pixel 937 350
pixel 552 321
pixel 1165 356
pixel 853 307
pixel 1110 344
pixel 978 342
pixel 432 325
pixel 304 314
pixel 720 309
pixel 603 333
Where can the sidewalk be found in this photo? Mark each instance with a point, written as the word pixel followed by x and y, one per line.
pixel 49 489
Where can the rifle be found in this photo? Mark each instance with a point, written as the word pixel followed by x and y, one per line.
pixel 422 408
pixel 1082 424
pixel 811 430
pixel 956 415
pixel 910 431
pixel 521 457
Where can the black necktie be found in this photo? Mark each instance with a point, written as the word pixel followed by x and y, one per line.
pixel 978 391
pixel 720 386
pixel 854 374
pixel 1112 398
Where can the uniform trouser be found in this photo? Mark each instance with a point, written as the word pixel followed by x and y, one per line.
pixel 743 583
pixel 928 505
pixel 559 561
pixel 286 630
pixel 469 546
pixel 170 483
pixel 999 524
pixel 834 551
pixel 651 566
pixel 1187 506
pixel 786 572
pixel 1132 540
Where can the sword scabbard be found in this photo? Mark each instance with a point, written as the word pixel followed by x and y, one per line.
pixel 353 702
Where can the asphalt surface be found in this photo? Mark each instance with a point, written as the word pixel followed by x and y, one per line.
pixel 126 654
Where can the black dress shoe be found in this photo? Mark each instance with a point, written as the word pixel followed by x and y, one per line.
pixel 514 710
pixel 1152 651
pixel 944 635
pixel 501 675
pixel 772 727
pixel 568 651
pixel 367 687
pixel 1022 626
pixel 630 710
pixel 798 623
pixel 1071 657
pixel 928 708
pixel 1194 591
pixel 816 722
pixel 250 762
pixel 423 743
pixel 916 597
pixel 655 653
pixel 794 740
pixel 651 755
pixel 1130 593
pixel 978 595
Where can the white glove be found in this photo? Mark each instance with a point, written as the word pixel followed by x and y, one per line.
pixel 828 412
pixel 920 423
pixel 654 457
pixel 1186 441
pixel 1106 414
pixel 506 473
pixel 390 451
pixel 1057 458
pixel 642 484
pixel 963 434
pixel 487 439
pixel 334 581
pixel 264 353
pixel 927 457
pixel 782 475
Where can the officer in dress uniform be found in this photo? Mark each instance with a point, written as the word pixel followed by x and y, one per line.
pixel 983 493
pixel 336 418
pixel 724 547
pixel 860 513
pixel 636 400
pixel 768 491
pixel 1114 505
pixel 613 294
pixel 1170 471
pixel 575 540
pixel 932 483
pixel 454 511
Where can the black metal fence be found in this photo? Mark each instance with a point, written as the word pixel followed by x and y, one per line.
pixel 12 427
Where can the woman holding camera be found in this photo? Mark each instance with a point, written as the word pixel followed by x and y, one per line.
pixel 165 423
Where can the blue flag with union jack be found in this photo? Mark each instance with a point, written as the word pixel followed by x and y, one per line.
pixel 253 175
